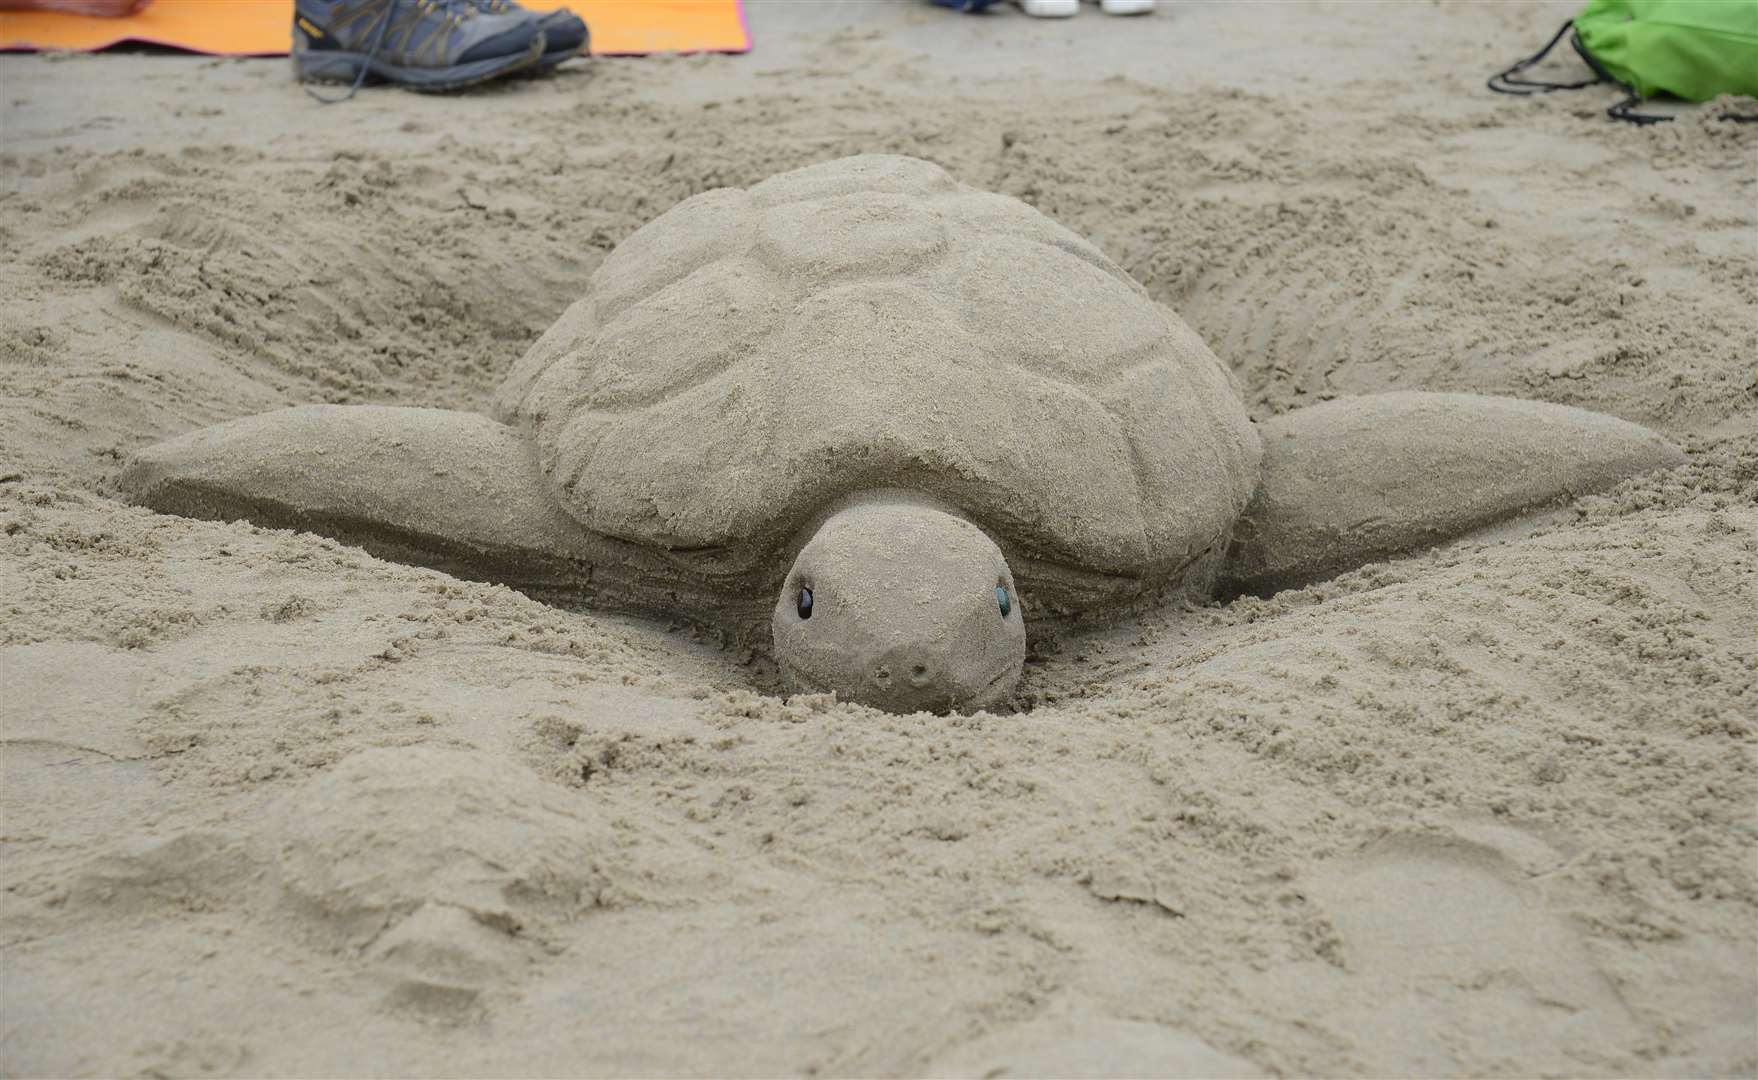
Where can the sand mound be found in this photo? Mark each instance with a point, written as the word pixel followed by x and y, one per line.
pixel 453 871
pixel 390 832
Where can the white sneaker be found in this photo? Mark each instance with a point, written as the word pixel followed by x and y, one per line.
pixel 1126 7
pixel 1051 9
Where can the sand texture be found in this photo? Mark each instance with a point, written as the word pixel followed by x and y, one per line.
pixel 273 805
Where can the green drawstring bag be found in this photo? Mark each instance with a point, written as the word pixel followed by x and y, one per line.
pixel 1691 49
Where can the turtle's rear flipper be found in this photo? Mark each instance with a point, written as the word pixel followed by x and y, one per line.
pixel 452 490
pixel 1359 479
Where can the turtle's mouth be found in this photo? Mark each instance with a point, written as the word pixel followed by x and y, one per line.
pixel 994 691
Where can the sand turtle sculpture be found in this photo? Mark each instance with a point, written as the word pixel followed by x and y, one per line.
pixel 884 417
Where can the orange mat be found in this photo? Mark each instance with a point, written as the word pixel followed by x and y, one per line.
pixel 261 27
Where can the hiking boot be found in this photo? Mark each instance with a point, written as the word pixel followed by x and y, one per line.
pixel 564 33
pixel 420 44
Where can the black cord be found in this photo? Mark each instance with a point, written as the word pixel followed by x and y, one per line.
pixel 1625 111
pixel 1504 82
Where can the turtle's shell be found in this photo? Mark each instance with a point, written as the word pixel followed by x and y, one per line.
pixel 752 356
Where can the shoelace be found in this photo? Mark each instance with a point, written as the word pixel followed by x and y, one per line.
pixel 378 41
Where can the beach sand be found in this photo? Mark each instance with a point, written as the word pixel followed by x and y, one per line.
pixel 270 805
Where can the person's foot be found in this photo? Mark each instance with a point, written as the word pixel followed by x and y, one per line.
pixel 1049 9
pixel 564 33
pixel 109 9
pixel 1126 7
pixel 420 44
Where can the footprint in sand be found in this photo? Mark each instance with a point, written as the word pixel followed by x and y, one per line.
pixel 69 753
pixel 1457 950
pixel 1090 1046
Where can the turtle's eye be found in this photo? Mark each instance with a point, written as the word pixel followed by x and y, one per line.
pixel 1002 600
pixel 805 604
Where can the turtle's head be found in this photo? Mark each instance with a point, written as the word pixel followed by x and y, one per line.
pixel 901 607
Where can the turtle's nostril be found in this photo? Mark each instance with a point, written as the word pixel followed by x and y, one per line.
pixel 911 677
pixel 905 671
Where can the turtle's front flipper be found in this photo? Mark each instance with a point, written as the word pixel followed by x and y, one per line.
pixel 1358 479
pixel 451 490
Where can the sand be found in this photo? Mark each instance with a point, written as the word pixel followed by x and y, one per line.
pixel 273 806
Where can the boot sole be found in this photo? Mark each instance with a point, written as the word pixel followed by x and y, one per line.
pixel 554 58
pixel 1050 9
pixel 549 60
pixel 344 67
